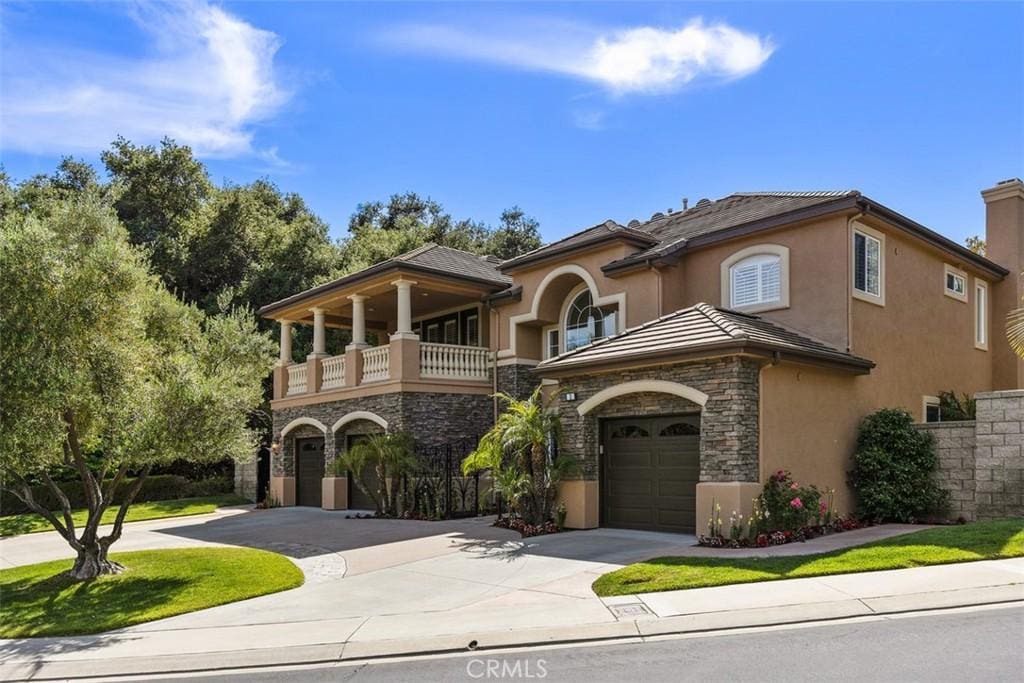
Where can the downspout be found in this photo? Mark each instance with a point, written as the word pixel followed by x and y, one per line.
pixel 849 277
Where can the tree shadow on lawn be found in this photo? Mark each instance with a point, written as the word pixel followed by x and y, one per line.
pixel 15 525
pixel 59 605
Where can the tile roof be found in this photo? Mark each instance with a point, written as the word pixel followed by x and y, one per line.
pixel 455 262
pixel 708 216
pixel 432 258
pixel 699 328
pixel 595 233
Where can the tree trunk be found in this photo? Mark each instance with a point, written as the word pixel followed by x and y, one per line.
pixel 92 562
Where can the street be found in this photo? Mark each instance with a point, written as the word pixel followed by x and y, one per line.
pixel 983 644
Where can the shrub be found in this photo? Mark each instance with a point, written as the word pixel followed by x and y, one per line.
pixel 785 505
pixel 155 487
pixel 893 469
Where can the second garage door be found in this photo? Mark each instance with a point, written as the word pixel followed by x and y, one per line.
pixel 649 472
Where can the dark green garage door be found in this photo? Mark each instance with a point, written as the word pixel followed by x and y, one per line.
pixel 649 472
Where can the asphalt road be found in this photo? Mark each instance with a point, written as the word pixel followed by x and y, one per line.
pixel 975 645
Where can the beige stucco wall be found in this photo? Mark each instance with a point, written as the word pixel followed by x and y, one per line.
pixel 817 269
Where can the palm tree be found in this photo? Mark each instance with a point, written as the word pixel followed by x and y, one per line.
pixel 518 450
pixel 1015 329
pixel 390 456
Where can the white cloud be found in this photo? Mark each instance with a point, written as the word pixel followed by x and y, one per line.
pixel 589 119
pixel 207 77
pixel 633 60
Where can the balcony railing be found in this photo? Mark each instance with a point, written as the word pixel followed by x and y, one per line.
pixel 402 360
pixel 376 363
pixel 449 361
pixel 297 378
pixel 333 372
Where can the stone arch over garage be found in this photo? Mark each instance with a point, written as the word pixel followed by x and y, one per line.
pixel 641 387
pixel 300 421
pixel 359 415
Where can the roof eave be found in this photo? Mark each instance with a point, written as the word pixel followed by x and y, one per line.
pixel 547 254
pixel 672 253
pixel 873 208
pixel 373 271
pixel 771 353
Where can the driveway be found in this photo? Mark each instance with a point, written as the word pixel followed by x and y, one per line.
pixel 371 574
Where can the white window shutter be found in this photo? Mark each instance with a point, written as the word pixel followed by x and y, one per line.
pixel 744 285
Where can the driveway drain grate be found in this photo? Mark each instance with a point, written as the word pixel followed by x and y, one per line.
pixel 633 609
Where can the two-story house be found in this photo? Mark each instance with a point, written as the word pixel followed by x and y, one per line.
pixel 689 355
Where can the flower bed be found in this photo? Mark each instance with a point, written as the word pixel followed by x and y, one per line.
pixel 784 512
pixel 781 537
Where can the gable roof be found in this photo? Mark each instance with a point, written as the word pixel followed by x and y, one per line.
pixel 602 232
pixel 431 258
pixel 702 330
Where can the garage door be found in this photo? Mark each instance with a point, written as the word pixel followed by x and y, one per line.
pixel 649 472
pixel 309 463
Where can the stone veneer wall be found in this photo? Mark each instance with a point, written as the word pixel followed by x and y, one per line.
pixel 981 463
pixel 517 380
pixel 430 418
pixel 729 420
pixel 246 479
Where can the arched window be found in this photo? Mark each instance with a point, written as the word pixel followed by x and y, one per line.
pixel 756 280
pixel 585 322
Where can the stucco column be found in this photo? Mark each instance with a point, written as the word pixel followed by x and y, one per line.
pixel 286 343
pixel 319 334
pixel 358 322
pixel 404 291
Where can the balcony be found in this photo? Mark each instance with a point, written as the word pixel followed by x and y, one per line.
pixel 395 366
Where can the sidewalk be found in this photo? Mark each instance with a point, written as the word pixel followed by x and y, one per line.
pixel 527 618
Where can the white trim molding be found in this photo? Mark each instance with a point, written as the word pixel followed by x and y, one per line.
pixel 299 421
pixel 948 270
pixel 982 311
pixel 879 299
pixel 359 415
pixel 757 250
pixel 656 386
pixel 618 299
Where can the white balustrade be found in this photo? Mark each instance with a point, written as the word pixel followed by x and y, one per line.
pixel 297 373
pixel 453 362
pixel 333 372
pixel 376 362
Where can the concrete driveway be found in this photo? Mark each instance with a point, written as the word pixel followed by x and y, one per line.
pixel 371 575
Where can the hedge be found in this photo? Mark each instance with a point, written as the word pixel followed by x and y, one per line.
pixel 155 487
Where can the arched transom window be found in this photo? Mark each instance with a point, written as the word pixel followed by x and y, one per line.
pixel 756 280
pixel 585 322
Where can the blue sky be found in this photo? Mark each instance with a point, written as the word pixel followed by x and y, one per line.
pixel 576 112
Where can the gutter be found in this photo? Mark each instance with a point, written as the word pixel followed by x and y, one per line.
pixel 855 364
pixel 935 239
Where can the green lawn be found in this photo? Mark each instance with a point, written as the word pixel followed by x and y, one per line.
pixel 943 545
pixel 13 525
pixel 40 600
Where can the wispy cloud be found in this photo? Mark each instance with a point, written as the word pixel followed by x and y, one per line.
pixel 589 119
pixel 205 79
pixel 641 59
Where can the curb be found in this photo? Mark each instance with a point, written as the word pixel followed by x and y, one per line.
pixel 639 630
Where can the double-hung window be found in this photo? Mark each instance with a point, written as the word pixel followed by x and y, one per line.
pixel 955 283
pixel 868 266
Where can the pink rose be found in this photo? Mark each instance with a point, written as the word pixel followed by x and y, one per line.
pixel 822 507
pixel 794 486
pixel 796 503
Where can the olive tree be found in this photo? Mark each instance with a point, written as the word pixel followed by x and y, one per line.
pixel 105 374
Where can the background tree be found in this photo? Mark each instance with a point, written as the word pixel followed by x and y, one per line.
pixel 976 244
pixel 105 373
pixel 516 234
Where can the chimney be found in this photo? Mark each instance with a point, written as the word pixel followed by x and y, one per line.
pixel 1004 244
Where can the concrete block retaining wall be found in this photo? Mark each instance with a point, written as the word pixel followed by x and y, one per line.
pixel 981 463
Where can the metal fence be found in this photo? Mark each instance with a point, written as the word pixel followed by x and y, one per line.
pixel 437 488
